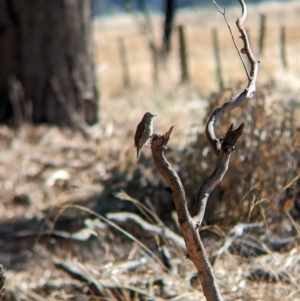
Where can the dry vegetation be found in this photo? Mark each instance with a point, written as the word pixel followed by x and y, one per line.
pixel 58 186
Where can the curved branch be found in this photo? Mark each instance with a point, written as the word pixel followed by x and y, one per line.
pixel 247 50
pixel 223 149
pixel 243 96
pixel 227 147
pixel 220 146
pixel 233 103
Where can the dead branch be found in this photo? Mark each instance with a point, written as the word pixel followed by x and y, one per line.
pixel 223 148
pixel 2 282
pixel 127 217
pixel 236 232
pixel 79 273
pixel 227 146
pixel 82 235
pixel 195 248
pixel 104 288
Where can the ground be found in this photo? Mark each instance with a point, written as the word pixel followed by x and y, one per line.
pixel 57 239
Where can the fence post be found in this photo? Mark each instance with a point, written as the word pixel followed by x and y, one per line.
pixel 217 59
pixel 124 63
pixel 155 61
pixel 283 48
pixel 183 55
pixel 262 31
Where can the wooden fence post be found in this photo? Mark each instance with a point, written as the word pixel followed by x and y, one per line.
pixel 124 63
pixel 217 59
pixel 262 31
pixel 155 61
pixel 283 48
pixel 183 55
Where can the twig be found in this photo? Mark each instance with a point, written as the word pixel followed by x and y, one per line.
pixel 232 36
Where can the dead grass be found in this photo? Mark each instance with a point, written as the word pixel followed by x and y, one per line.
pixel 89 172
pixel 198 24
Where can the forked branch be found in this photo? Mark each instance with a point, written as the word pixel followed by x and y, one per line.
pixel 217 145
pixel 194 246
pixel 222 148
pixel 227 146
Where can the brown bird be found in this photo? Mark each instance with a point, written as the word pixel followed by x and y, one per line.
pixel 143 132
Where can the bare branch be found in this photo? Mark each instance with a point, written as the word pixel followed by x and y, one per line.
pixel 232 36
pixel 224 147
pixel 127 217
pixel 158 145
pixel 247 50
pixel 234 102
pixel 227 147
pixel 194 246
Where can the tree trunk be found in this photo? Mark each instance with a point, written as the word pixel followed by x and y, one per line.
pixel 46 46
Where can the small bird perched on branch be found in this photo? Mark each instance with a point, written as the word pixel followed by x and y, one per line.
pixel 143 132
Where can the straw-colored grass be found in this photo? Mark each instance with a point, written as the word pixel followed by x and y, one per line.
pixel 198 25
pixel 261 179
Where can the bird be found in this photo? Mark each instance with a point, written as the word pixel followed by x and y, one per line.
pixel 144 131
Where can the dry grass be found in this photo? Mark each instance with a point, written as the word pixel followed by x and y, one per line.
pixel 198 26
pixel 256 187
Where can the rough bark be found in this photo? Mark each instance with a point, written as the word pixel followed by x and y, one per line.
pixel 43 41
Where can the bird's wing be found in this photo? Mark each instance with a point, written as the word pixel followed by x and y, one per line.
pixel 139 131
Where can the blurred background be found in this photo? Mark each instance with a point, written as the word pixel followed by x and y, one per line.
pixel 80 217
